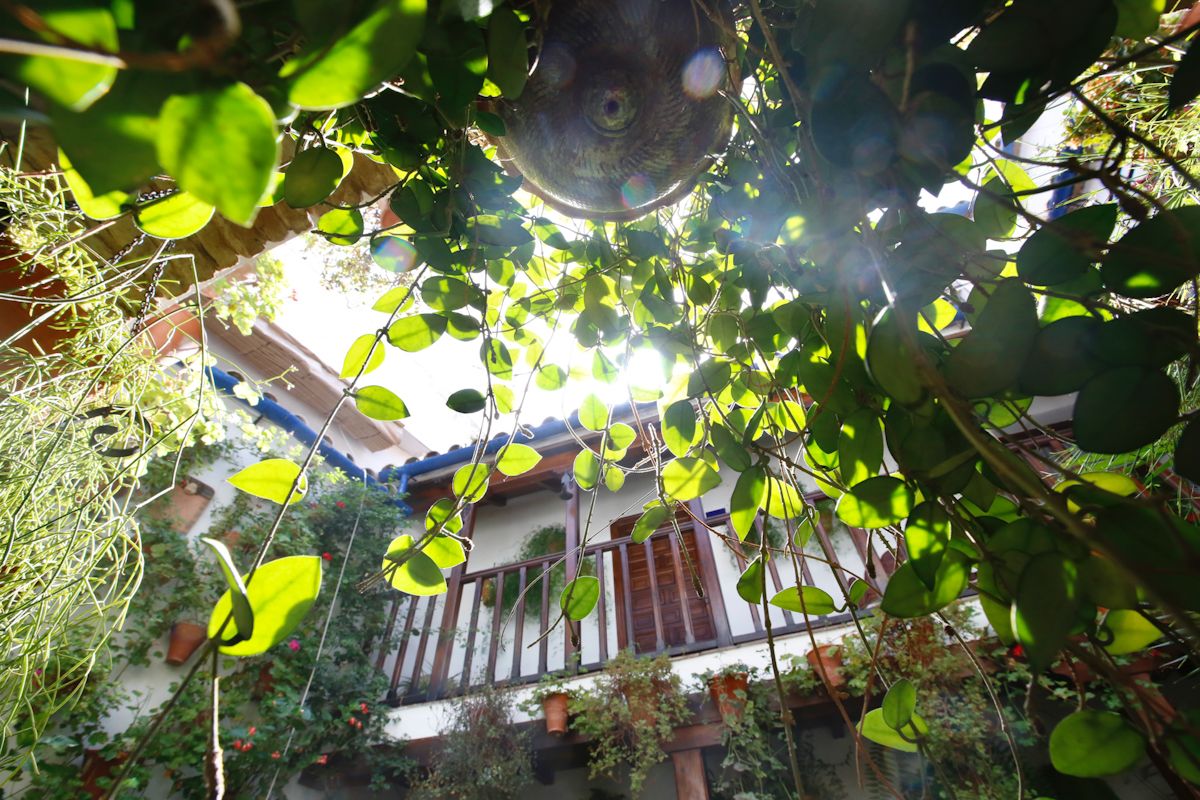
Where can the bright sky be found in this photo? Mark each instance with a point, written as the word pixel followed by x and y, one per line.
pixel 327 323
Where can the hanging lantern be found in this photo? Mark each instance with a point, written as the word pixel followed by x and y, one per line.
pixel 625 106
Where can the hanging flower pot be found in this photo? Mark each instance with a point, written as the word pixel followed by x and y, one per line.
pixel 728 691
pixel 22 285
pixel 172 332
pixel 554 706
pixel 186 638
pixel 826 661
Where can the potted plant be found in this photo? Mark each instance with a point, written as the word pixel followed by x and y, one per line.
pixel 633 707
pixel 552 697
pixel 729 689
pixel 483 756
pixel 826 662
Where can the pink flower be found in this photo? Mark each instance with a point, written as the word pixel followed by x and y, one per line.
pixel 294 645
pixel 340 504
pixel 252 731
pixel 322 759
pixel 276 755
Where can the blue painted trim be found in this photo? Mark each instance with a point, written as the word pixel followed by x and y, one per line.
pixel 276 413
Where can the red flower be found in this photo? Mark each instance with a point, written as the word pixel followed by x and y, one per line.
pixel 327 556
pixel 1016 651
pixel 237 745
pixel 322 759
pixel 340 504
pixel 363 707
pixel 252 731
pixel 276 755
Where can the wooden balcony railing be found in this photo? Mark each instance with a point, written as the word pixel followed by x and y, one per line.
pixel 491 627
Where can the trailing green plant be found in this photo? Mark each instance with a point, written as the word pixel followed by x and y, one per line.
pixel 754 765
pixel 634 706
pixel 482 755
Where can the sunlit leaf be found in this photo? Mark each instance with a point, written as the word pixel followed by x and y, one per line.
pixel 280 593
pixel 272 480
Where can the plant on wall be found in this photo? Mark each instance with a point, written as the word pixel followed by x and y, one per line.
pixel 481 755
pixel 631 709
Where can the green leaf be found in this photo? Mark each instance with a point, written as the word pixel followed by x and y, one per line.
pixel 175 216
pixel 891 361
pixel 858 590
pixel 419 575
pixel 995 208
pixel 679 427
pixel 442 517
pixel 750 584
pixel 1156 257
pixel 586 469
pixel 805 600
pixel 394 299
pixel 551 378
pixel 466 401
pixel 688 478
pixel 380 403
pixel 375 49
pixel 1186 83
pixel 1093 744
pixel 614 478
pixel 1043 610
pixel 445 551
pixel 580 596
pixel 907 597
pixel 243 614
pixel 593 413
pixel 113 143
pixel 1124 409
pixel 876 503
pixel 1130 630
pixel 280 593
pixel 272 480
pixel 746 500
pixel 875 728
pixel 1066 248
pixel 497 358
pixel 99 207
pixel 860 446
pixel 341 226
pixel 927 537
pixel 69 82
pixel 1061 360
pixel 442 293
pixel 508 54
pixel 988 360
pixel 1137 19
pixel 651 520
pixel 1187 452
pixel 364 356
pixel 471 482
pixel 517 459
pixel 899 704
pixel 620 436
pixel 313 175
pixel 219 145
pixel 783 501
pixel 411 334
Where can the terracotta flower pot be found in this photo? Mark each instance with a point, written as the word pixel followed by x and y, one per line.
pixel 33 282
pixel 96 769
pixel 186 638
pixel 826 661
pixel 554 706
pixel 173 332
pixel 643 702
pixel 728 692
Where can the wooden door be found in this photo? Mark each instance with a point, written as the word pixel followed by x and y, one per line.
pixel 678 605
